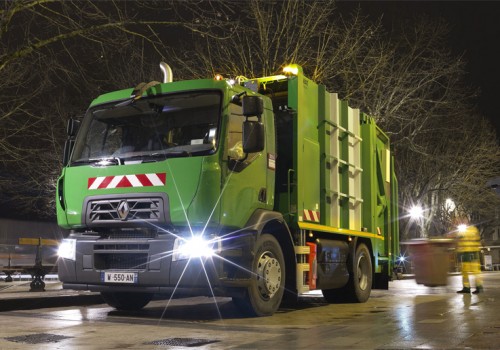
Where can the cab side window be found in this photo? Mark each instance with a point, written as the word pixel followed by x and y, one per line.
pixel 235 135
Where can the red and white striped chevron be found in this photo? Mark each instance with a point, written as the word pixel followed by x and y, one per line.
pixel 123 181
pixel 310 215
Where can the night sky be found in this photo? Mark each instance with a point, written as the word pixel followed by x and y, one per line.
pixel 475 31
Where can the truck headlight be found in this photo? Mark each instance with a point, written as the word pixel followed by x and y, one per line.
pixel 195 247
pixel 67 249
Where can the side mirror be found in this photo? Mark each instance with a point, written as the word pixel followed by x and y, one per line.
pixel 72 127
pixel 252 106
pixel 253 136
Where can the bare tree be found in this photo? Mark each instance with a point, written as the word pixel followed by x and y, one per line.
pixel 273 33
pixel 407 79
pixel 445 149
pixel 55 56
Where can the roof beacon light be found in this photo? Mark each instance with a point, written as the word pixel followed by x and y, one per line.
pixel 219 77
pixel 292 69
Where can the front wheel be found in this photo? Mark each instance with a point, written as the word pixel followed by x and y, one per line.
pixel 359 286
pixel 127 301
pixel 263 296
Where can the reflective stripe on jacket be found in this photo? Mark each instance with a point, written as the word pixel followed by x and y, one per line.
pixel 469 240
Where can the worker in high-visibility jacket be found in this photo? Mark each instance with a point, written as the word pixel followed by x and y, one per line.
pixel 468 247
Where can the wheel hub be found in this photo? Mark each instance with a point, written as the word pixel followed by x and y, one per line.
pixel 269 275
pixel 362 273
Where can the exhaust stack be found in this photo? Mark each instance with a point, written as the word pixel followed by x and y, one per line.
pixel 167 72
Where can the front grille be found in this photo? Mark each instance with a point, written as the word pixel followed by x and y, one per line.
pixel 121 256
pixel 120 261
pixel 115 210
pixel 129 234
pixel 121 246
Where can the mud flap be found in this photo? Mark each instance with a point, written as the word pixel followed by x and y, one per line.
pixel 381 279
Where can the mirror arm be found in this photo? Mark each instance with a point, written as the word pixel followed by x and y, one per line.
pixel 237 98
pixel 243 159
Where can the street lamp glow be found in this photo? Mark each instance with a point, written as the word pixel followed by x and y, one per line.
pixel 449 205
pixel 416 212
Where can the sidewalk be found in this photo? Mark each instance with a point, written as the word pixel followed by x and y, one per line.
pixel 16 295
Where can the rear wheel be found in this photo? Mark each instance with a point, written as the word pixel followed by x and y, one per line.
pixel 127 301
pixel 263 296
pixel 359 286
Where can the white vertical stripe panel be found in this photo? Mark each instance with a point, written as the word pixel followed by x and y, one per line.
pixel 134 181
pixel 97 182
pixel 155 180
pixel 116 180
pixel 335 152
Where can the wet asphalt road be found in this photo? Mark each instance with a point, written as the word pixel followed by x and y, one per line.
pixel 407 316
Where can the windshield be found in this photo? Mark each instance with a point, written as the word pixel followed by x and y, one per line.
pixel 177 125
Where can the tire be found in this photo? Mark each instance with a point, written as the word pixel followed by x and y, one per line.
pixel 263 296
pixel 359 285
pixel 127 301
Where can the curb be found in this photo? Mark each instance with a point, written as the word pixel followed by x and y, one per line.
pixel 16 295
pixel 40 302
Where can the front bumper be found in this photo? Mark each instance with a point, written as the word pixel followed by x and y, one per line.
pixel 151 261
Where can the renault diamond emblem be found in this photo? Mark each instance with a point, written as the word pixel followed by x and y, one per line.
pixel 123 210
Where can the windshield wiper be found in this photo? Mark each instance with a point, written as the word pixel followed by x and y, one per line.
pixel 155 157
pixel 98 161
pixel 178 154
pixel 145 158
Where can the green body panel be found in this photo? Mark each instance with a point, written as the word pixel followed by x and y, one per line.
pixel 182 179
pixel 240 189
pixel 205 207
pixel 240 196
pixel 306 151
pixel 394 228
pixel 380 192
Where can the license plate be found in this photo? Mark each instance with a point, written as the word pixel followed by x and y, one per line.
pixel 119 277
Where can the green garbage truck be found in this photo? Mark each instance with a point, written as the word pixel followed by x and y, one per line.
pixel 256 189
